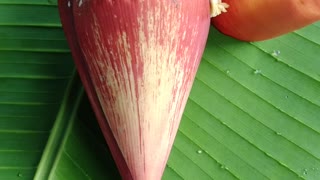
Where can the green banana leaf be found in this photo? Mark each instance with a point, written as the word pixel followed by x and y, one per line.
pixel 253 113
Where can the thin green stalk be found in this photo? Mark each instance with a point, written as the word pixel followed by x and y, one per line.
pixel 61 128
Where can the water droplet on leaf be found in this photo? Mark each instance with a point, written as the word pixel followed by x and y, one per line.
pixel 223 167
pixel 199 151
pixel 276 53
pixel 69 4
pixel 305 171
pixel 19 174
pixel 257 71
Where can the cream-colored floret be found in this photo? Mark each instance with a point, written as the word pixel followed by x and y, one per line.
pixel 217 7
